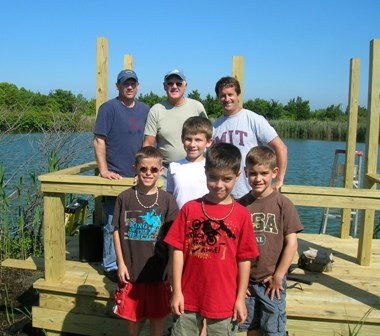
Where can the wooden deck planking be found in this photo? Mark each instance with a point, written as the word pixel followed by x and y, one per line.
pixel 339 297
pixel 334 300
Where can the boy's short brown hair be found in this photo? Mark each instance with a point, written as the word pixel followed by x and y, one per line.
pixel 261 155
pixel 223 156
pixel 195 125
pixel 148 152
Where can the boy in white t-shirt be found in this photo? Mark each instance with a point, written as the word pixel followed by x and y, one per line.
pixel 186 178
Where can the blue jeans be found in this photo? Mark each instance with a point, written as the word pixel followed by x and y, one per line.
pixel 265 314
pixel 109 256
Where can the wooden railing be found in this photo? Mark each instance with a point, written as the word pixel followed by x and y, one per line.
pixel 55 185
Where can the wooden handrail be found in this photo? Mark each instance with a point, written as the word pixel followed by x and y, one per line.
pixel 56 185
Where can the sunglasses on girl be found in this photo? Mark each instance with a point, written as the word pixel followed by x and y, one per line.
pixel 153 170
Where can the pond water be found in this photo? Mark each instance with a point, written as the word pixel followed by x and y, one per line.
pixel 309 163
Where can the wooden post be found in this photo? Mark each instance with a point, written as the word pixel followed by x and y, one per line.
pixel 101 71
pixel 238 73
pixel 128 62
pixel 98 208
pixel 101 97
pixel 353 104
pixel 372 142
pixel 54 237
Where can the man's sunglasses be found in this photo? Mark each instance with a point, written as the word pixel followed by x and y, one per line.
pixel 153 170
pixel 171 84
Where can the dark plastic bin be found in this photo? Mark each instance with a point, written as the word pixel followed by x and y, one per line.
pixel 90 243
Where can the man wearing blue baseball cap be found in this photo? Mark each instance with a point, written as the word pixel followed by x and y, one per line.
pixel 118 135
pixel 165 119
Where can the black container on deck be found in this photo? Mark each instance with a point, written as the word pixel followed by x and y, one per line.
pixel 90 243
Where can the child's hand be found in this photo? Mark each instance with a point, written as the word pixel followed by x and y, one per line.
pixel 248 293
pixel 240 311
pixel 177 303
pixel 274 286
pixel 123 274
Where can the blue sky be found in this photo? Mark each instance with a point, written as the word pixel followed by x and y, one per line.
pixel 290 47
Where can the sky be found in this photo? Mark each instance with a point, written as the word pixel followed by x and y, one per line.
pixel 291 48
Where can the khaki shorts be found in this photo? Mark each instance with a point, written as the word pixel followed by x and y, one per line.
pixel 190 324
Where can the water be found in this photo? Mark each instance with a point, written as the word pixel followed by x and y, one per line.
pixel 309 163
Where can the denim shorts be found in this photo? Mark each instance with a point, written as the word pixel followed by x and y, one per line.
pixel 265 314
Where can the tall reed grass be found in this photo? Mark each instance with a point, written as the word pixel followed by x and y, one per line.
pixel 20 225
pixel 316 129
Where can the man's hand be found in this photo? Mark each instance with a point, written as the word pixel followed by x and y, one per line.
pixel 111 175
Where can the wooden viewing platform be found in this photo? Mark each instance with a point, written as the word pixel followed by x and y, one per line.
pixel 75 297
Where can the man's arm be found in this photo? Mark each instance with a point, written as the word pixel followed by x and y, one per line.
pixel 100 156
pixel 282 160
pixel 149 140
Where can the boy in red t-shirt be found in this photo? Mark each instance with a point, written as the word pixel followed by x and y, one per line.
pixel 213 245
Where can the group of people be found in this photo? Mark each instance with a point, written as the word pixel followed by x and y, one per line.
pixel 212 246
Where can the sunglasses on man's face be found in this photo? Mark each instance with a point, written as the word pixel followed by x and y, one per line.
pixel 153 170
pixel 130 84
pixel 171 84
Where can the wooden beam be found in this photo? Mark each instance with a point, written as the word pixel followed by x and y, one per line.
pixel 238 73
pixel 128 62
pixel 101 71
pixel 54 237
pixel 375 178
pixel 32 263
pixel 76 169
pixel 353 104
pixel 372 146
pixel 56 320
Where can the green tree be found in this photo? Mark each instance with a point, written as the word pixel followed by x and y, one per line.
pixel 297 109
pixel 335 113
pixel 150 98
pixel 276 110
pixel 195 95
pixel 8 95
pixel 212 107
pixel 66 100
pixel 260 106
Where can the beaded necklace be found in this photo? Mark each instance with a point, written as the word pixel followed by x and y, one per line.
pixel 147 206
pixel 216 219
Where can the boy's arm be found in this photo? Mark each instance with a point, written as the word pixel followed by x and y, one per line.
pixel 177 303
pixel 122 270
pixel 240 309
pixel 287 255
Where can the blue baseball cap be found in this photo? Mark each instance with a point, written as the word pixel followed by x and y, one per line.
pixel 175 72
pixel 125 75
